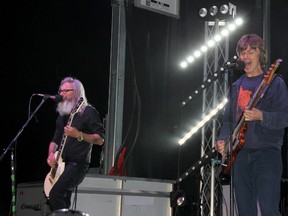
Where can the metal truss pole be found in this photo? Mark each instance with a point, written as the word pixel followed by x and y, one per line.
pixel 116 84
pixel 211 98
pixel 266 28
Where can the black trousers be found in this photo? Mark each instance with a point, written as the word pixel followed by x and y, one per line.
pixel 60 194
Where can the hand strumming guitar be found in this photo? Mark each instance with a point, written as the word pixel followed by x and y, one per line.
pixel 220 147
pixel 51 160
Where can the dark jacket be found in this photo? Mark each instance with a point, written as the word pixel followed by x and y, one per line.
pixel 274 105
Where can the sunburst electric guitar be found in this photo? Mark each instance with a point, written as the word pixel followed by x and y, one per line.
pixel 236 140
pixel 56 171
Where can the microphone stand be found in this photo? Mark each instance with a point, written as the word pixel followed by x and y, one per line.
pixel 232 201
pixel 10 147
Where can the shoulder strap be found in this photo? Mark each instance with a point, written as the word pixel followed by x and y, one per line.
pixel 267 87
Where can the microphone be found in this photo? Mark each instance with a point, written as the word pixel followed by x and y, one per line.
pixel 35 207
pixel 238 65
pixel 56 98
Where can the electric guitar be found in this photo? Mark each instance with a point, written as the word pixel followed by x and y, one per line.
pixel 236 140
pixel 56 171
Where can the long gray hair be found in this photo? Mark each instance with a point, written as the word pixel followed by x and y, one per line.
pixel 79 90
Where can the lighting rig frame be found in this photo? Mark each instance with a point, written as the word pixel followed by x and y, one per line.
pixel 211 96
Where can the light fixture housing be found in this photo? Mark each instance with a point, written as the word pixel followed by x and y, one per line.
pixel 180 198
pixel 224 9
pixel 213 10
pixel 203 12
pixel 217 11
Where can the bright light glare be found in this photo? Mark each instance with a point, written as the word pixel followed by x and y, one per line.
pixel 203 122
pixel 224 32
pixel 203 48
pixel 190 59
pixel 231 27
pixel 183 64
pixel 211 43
pixel 217 38
pixel 197 53
pixel 239 21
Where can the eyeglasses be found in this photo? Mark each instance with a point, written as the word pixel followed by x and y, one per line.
pixel 248 52
pixel 64 90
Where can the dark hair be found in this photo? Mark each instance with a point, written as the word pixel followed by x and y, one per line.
pixel 256 43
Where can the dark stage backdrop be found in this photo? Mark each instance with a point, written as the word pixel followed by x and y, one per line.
pixel 43 41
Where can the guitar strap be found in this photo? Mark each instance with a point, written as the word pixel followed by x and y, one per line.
pixel 267 87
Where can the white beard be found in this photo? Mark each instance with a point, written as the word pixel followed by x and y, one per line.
pixel 65 108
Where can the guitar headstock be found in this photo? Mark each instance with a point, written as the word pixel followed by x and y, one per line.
pixel 271 71
pixel 77 106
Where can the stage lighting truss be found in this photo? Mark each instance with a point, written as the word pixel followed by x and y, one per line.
pixel 231 27
pixel 209 81
pixel 203 121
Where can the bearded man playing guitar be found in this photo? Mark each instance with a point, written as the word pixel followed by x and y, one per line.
pixel 257 169
pixel 78 127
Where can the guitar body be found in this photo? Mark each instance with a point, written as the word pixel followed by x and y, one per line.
pixel 53 176
pixel 237 147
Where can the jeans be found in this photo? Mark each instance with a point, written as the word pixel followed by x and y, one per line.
pixel 257 177
pixel 60 194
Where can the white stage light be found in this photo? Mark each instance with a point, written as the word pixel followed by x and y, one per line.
pixel 213 10
pixel 190 59
pixel 202 12
pixel 183 64
pixel 203 121
pixel 197 53
pixel 224 32
pixel 211 43
pixel 231 27
pixel 217 38
pixel 203 48
pixel 224 9
pixel 239 21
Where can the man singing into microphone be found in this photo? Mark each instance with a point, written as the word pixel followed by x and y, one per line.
pixel 78 127
pixel 258 166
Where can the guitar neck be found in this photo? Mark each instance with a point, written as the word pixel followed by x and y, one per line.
pixel 69 122
pixel 64 138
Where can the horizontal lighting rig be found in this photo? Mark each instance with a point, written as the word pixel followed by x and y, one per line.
pixel 196 54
